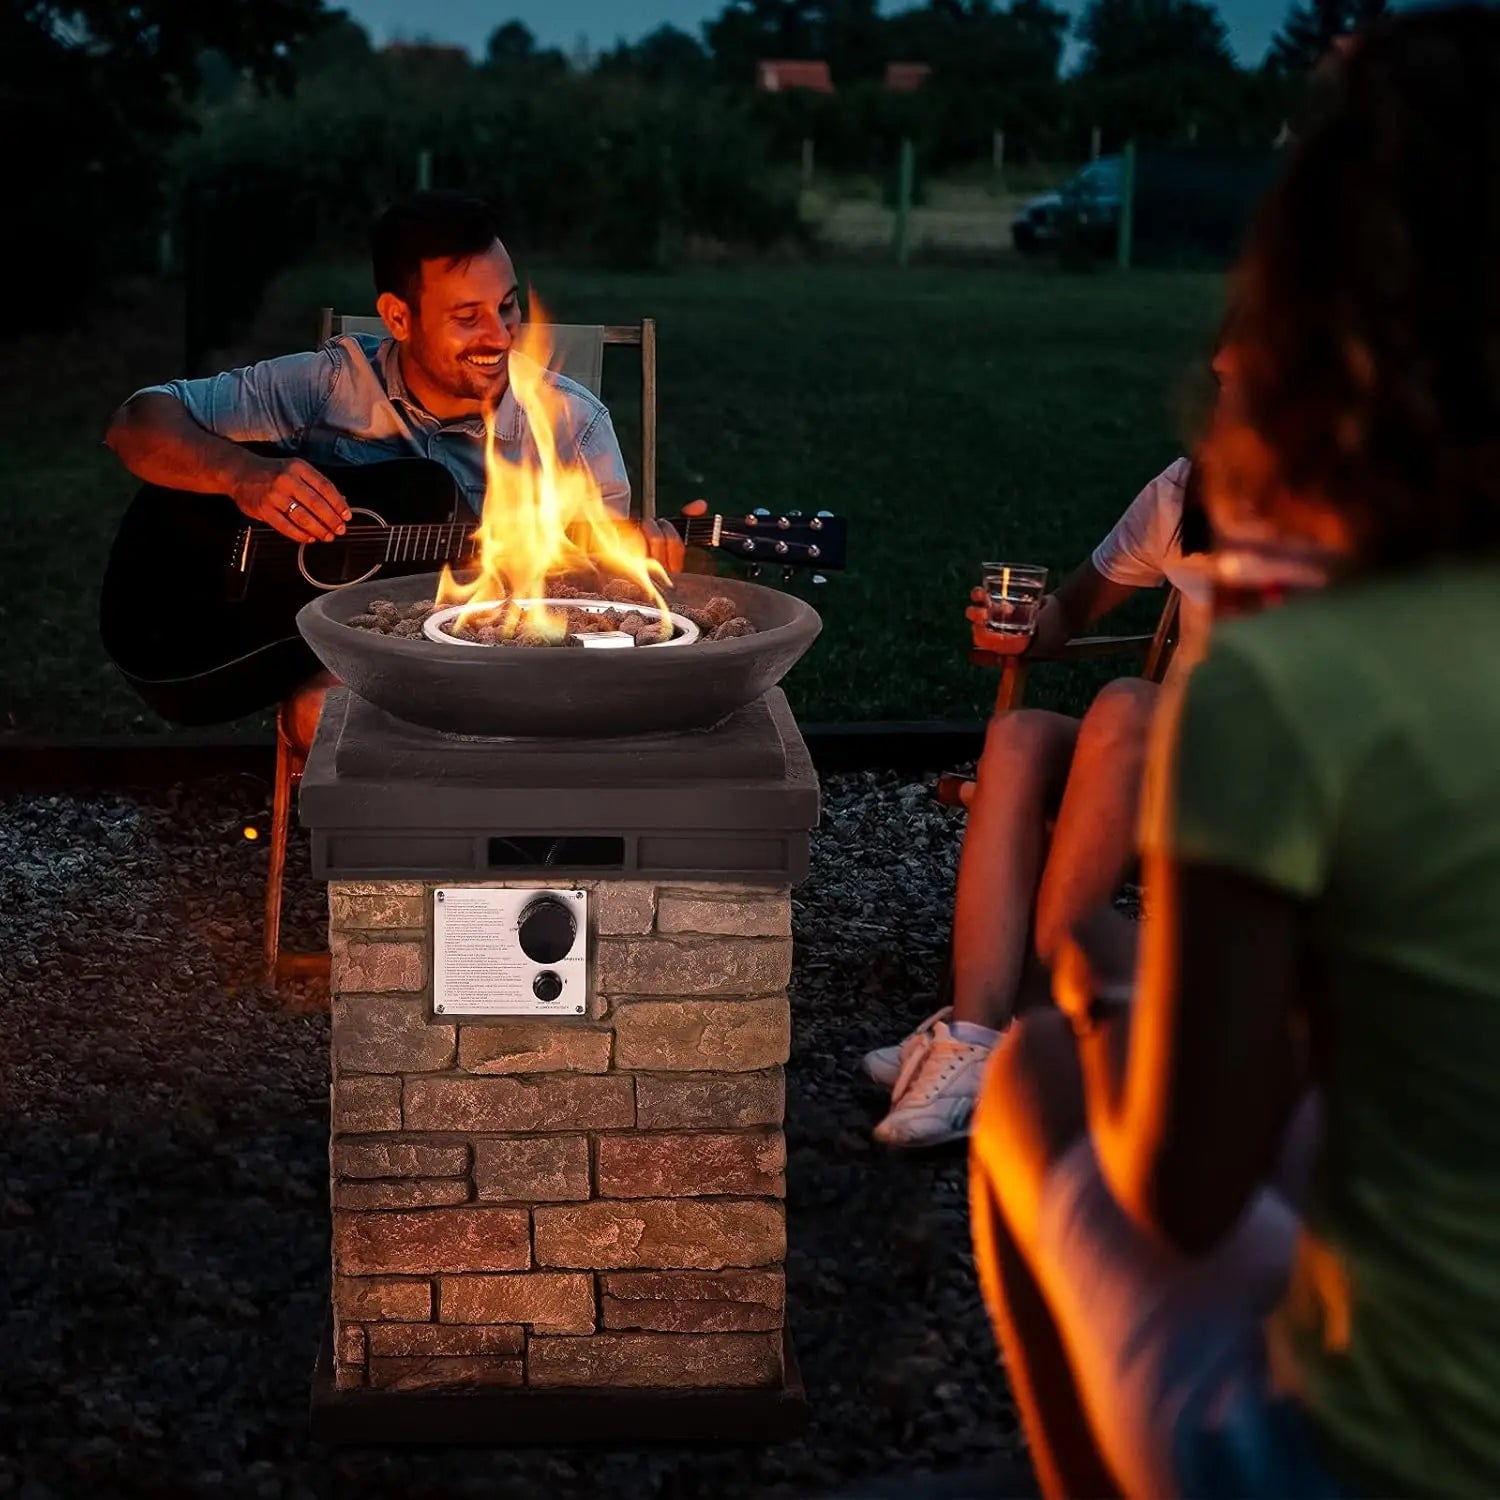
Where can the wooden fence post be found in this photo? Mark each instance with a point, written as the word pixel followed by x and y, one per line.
pixel 1127 207
pixel 903 203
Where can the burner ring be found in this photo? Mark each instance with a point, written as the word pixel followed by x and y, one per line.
pixel 432 627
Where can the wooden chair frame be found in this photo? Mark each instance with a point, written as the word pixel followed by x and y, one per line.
pixel 290 761
pixel 1154 652
pixel 290 758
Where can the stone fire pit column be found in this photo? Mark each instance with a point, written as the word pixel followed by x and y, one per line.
pixel 558 1229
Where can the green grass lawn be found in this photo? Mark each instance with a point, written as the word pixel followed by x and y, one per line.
pixel 949 414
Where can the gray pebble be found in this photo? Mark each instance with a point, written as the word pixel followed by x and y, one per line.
pixel 167 1131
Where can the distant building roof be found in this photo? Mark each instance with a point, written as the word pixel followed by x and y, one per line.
pixel 775 76
pixel 905 77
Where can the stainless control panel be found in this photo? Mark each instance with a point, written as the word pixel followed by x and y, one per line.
pixel 501 951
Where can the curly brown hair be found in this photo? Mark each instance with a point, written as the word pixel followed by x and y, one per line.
pixel 1366 308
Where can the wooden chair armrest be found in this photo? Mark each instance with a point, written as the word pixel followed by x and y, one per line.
pixel 1093 647
pixel 1082 648
pixel 954 790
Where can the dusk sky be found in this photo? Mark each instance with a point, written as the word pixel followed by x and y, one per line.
pixel 559 23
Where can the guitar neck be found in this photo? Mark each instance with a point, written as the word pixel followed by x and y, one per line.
pixel 450 540
pixel 791 540
pixel 445 542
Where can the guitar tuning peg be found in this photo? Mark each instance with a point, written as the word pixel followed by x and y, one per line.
pixel 760 510
pixel 819 578
pixel 796 515
pixel 826 515
pixel 755 570
pixel 786 575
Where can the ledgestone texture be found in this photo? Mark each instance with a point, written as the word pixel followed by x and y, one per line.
pixel 595 1201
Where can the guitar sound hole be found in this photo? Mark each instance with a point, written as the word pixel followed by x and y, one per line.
pixel 347 559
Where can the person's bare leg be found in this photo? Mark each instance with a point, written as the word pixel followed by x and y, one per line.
pixel 1112 1329
pixel 305 707
pixel 1030 1113
pixel 1095 839
pixel 939 1068
pixel 1021 774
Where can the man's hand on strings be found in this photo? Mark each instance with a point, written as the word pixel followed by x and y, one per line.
pixel 665 542
pixel 292 496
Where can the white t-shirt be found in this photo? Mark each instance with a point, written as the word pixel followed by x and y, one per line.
pixel 1144 551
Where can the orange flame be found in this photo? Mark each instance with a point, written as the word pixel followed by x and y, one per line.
pixel 545 517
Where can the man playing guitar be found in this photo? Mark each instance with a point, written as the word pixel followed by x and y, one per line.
pixel 447 292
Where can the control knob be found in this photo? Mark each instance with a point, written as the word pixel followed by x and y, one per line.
pixel 546 930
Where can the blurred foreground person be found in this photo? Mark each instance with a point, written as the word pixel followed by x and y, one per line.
pixel 1184 1309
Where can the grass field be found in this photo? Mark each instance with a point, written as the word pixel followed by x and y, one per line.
pixel 960 218
pixel 950 414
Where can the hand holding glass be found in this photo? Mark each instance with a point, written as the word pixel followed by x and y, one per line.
pixel 1012 596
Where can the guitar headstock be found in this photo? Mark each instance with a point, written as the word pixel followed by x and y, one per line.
pixel 768 541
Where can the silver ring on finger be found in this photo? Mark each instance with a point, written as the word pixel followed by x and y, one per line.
pixel 292 506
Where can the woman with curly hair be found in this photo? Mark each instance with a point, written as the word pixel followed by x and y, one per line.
pixel 1182 1309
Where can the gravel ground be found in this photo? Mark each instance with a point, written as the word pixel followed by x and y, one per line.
pixel 163 1180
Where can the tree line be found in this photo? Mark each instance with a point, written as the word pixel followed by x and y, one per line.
pixel 1152 70
pixel 962 40
pixel 129 110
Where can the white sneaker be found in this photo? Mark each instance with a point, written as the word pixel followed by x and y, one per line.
pixel 883 1066
pixel 933 1099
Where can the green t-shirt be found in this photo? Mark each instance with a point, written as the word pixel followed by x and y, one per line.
pixel 1346 749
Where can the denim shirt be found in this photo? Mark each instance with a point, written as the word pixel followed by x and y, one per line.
pixel 347 403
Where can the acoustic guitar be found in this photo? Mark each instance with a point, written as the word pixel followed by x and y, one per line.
pixel 199 603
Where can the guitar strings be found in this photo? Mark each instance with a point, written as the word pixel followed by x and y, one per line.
pixel 696 530
pixel 368 545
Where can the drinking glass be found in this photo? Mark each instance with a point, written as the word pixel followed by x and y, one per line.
pixel 1012 596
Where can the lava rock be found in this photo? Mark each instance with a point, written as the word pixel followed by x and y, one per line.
pixel 624 591
pixel 731 628
pixel 712 613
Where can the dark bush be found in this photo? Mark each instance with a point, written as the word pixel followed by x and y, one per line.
pixel 82 193
pixel 1193 208
pixel 591 169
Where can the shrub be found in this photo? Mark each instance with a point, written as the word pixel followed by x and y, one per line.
pixel 592 169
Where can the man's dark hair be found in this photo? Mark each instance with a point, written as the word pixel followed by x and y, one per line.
pixel 1367 306
pixel 427 226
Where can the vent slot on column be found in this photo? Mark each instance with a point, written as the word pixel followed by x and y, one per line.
pixel 541 851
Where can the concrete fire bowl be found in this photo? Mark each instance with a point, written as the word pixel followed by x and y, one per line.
pixel 553 691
